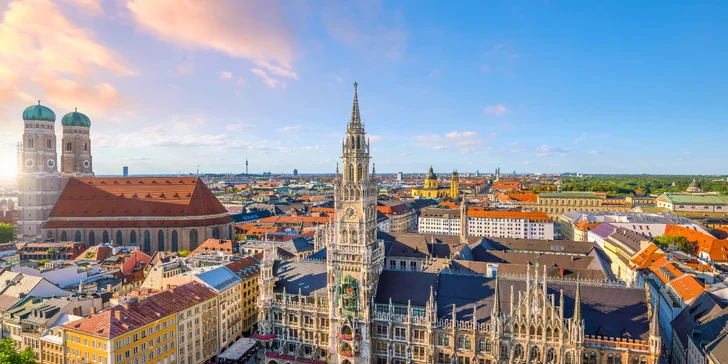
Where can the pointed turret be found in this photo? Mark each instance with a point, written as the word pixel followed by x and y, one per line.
pixel 655 322
pixel 463 222
pixel 496 299
pixel 577 303
pixel 355 116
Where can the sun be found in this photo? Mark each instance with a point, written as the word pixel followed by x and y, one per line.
pixel 8 164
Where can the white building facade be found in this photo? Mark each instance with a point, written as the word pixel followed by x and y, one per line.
pixel 524 225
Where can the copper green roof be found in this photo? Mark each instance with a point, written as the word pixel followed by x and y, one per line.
pixel 690 199
pixel 431 174
pixel 75 118
pixel 39 112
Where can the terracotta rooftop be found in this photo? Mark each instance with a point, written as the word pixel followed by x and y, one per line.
pixel 531 216
pixel 687 287
pixel 137 197
pixel 647 256
pixel 717 249
pixel 123 318
pixel 227 247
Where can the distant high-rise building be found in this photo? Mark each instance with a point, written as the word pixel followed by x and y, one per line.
pixel 514 173
pixel 246 165
pixel 125 171
pixel 477 173
pixel 400 176
pixel 295 173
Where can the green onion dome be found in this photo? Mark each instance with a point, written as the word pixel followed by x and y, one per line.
pixel 75 118
pixel 39 112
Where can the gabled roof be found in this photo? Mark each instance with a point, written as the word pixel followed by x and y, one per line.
pixel 123 318
pixel 151 197
pixel 715 248
pixel 687 287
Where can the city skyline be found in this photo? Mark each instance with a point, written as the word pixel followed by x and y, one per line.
pixel 538 87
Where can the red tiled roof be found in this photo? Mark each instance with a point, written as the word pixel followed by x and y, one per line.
pixel 531 216
pixel 717 249
pixel 247 267
pixel 136 197
pixel 687 287
pixel 123 318
pixel 228 247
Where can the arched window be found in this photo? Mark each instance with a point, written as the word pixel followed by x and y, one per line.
pixel 64 236
pixel 105 237
pixel 440 339
pixel 481 344
pixel 351 146
pixel 193 239
pixel 518 352
pixel 488 346
pixel 30 142
pixel 610 359
pixel 175 241
pixel 358 145
pixel 359 172
pixel 50 235
pixel 147 241
pixel 85 146
pixel 119 238
pixel 504 351
pixel 132 237
pixel 77 237
pixel 467 343
pixel 49 144
pixel 350 177
pixel 216 232
pixel 461 342
pixel 68 146
pixel 551 355
pixel 91 238
pixel 160 240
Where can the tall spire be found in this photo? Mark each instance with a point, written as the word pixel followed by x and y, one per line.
pixel 577 303
pixel 655 322
pixel 355 116
pixel 463 222
pixel 496 299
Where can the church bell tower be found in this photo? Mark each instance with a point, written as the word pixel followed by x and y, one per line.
pixel 355 258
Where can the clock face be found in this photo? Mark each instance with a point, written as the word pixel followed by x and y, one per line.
pixel 350 212
pixel 29 163
pixel 86 164
pixel 51 163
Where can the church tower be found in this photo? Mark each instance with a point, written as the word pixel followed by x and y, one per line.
pixel 454 185
pixel 39 183
pixel 76 156
pixel 355 258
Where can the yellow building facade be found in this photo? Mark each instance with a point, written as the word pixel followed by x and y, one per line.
pixel 432 189
pixel 555 204
pixel 135 332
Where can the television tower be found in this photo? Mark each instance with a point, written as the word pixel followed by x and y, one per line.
pixel 246 166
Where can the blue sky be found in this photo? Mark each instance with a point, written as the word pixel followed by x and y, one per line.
pixel 531 86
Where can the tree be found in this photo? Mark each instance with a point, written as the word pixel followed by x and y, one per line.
pixel 663 241
pixel 183 253
pixel 9 354
pixel 685 245
pixel 7 233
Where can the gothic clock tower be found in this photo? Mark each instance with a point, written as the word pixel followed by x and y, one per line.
pixel 355 258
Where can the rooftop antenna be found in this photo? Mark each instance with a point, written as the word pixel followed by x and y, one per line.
pixel 198 170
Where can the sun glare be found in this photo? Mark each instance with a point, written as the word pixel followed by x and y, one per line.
pixel 8 165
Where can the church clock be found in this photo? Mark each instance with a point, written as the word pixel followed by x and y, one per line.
pixel 350 212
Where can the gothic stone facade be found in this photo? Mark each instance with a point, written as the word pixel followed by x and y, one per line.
pixel 348 309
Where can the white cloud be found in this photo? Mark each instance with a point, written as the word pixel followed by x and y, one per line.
pixel 291 129
pixel 225 75
pixel 461 134
pixel 495 109
pixel 271 82
pixel 242 29
pixel 239 126
pixel 594 152
pixel 277 70
pixel 552 151
pixel 339 79
pixel 60 58
pixel 440 147
pixel 375 138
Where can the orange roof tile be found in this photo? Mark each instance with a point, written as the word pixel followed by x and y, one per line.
pixel 123 318
pixel 136 197
pixel 647 256
pixel 687 287
pixel 586 226
pixel 223 246
pixel 531 216
pixel 715 248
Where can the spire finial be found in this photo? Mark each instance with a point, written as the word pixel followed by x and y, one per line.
pixel 38 102
pixel 75 109
pixel 355 116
